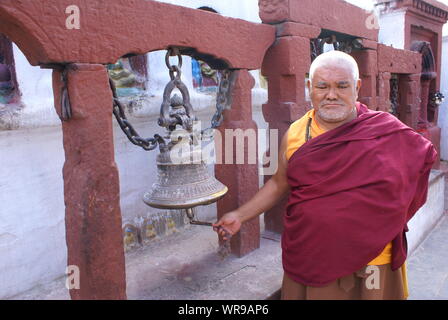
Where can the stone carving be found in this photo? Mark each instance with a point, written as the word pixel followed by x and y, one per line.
pixel 6 84
pixel 394 98
pixel 170 226
pixel 273 10
pixel 127 82
pixel 148 230
pixel 205 78
pixel 130 237
pixel 157 225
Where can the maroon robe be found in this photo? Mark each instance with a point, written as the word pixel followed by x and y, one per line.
pixel 353 190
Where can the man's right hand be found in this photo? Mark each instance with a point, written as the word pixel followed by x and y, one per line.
pixel 230 223
pixel 272 191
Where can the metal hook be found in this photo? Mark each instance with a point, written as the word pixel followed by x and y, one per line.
pixel 66 111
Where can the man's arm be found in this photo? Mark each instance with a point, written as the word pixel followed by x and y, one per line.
pixel 272 191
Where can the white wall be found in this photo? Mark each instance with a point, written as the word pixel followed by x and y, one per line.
pixel 365 4
pixel 392 30
pixel 37 93
pixel 32 226
pixel 443 109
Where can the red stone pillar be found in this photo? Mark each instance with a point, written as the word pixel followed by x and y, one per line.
pixel 383 99
pixel 241 179
pixel 91 186
pixel 428 129
pixel 409 88
pixel 285 66
pixel 368 69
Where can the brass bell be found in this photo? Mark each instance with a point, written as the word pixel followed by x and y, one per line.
pixel 182 186
pixel 183 183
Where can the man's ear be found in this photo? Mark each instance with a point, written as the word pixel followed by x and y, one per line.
pixel 358 85
pixel 308 84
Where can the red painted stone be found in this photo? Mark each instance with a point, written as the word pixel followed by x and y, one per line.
pixel 286 79
pixel 383 85
pixel 409 92
pixel 108 31
pixel 286 98
pixel 369 44
pixel 398 61
pixel 274 11
pixel 424 21
pixel 433 134
pixel 297 29
pixel 332 15
pixel 241 179
pixel 91 186
pixel 430 31
pixel 368 70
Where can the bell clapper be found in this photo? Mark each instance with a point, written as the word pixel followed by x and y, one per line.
pixel 224 249
pixel 190 215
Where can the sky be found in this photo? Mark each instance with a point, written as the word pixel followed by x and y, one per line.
pixel 368 5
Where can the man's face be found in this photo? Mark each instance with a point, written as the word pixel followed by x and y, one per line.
pixel 333 93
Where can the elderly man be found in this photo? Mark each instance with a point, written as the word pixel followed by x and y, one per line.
pixel 354 177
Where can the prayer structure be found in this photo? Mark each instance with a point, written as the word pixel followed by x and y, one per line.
pixel 403 80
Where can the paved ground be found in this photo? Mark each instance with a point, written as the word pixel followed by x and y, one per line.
pixel 428 266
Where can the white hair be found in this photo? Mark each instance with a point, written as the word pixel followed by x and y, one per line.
pixel 335 58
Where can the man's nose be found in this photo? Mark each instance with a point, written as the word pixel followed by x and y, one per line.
pixel 332 94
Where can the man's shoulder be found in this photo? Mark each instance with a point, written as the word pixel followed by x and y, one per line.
pixel 380 123
pixel 384 118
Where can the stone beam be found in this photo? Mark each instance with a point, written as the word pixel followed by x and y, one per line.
pixel 335 15
pixel 398 61
pixel 111 29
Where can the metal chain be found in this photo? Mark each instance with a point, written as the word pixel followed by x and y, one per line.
pixel 128 129
pixel 172 68
pixel 223 101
